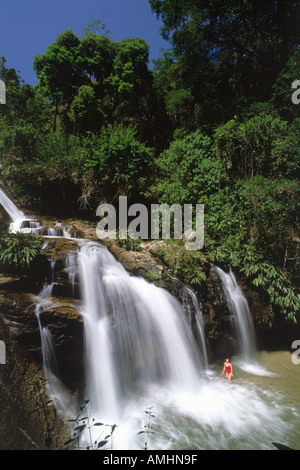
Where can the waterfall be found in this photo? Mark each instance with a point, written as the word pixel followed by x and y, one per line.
pixel 194 315
pixel 140 353
pixel 42 302
pixel 238 307
pixel 136 333
pixel 18 218
pixel 14 213
pixel 188 294
pixel 72 270
pixel 62 400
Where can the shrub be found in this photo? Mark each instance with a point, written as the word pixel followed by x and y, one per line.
pixel 19 249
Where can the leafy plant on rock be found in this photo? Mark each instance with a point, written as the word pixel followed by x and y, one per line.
pixel 19 249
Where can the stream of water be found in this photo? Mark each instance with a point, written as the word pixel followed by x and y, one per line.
pixel 238 307
pixel 140 353
pixel 149 360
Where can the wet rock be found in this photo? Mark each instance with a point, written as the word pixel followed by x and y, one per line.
pixel 66 325
pixel 28 420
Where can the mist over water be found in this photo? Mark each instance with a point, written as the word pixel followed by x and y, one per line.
pixel 138 329
pixel 251 413
pixel 194 406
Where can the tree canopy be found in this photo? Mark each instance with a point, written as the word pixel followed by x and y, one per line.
pixel 229 52
pixel 93 80
pixel 212 123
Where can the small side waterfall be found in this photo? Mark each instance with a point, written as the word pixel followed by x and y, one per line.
pixel 141 353
pixel 61 398
pixel 238 306
pixel 42 302
pixel 71 267
pixel 194 314
pixel 188 294
pixel 14 213
pixel 136 333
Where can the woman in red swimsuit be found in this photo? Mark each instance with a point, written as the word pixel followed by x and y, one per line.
pixel 228 369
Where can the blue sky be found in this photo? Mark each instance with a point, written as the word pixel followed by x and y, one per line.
pixel 27 27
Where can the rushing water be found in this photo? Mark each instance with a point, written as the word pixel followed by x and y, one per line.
pixel 62 400
pixel 140 353
pixel 11 209
pixel 257 409
pixel 189 298
pixel 14 213
pixel 148 359
pixel 138 330
pixel 238 307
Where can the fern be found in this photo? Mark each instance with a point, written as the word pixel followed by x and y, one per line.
pixel 278 287
pixel 19 249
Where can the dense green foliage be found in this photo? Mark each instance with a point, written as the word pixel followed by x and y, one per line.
pixel 188 266
pixel 228 53
pixel 251 209
pixel 212 123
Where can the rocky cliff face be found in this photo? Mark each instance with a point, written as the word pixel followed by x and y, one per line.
pixel 216 316
pixel 28 419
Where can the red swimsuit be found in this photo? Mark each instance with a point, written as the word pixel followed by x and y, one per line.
pixel 228 369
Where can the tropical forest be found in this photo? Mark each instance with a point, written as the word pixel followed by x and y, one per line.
pixel 122 341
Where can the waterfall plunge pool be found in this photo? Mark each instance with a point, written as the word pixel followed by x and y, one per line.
pixel 260 407
pixel 195 407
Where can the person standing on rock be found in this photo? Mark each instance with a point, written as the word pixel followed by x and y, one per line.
pixel 228 369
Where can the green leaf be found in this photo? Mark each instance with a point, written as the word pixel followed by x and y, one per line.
pixel 101 444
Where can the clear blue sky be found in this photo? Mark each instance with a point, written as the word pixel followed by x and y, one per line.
pixel 27 27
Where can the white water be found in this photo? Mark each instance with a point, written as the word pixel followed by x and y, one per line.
pixel 27 224
pixel 18 217
pixel 251 413
pixel 136 334
pixel 238 307
pixel 140 353
pixel 11 209
pixel 43 302
pixel 189 294
pixel 62 400
pixel 72 269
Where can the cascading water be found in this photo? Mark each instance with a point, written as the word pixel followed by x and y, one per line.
pixel 188 294
pixel 71 267
pixel 140 352
pixel 136 333
pixel 58 231
pixel 194 316
pixel 42 303
pixel 28 225
pixel 11 209
pixel 238 307
pixel 62 400
pixel 14 213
